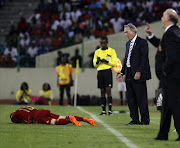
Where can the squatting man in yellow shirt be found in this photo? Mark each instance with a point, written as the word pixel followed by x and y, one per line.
pixel 104 59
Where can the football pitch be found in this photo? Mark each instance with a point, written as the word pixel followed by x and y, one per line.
pixel 110 132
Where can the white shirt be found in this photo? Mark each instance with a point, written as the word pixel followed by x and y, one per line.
pixel 130 50
pixel 117 25
pixel 32 51
pixel 13 53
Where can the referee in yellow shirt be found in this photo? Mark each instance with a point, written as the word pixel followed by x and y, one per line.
pixel 104 59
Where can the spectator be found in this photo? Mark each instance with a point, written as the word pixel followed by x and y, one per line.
pixel 117 23
pixel 23 95
pixel 76 57
pixel 12 51
pixel 32 51
pixel 75 14
pixel 22 25
pixel 42 49
pixel 45 96
pixel 64 79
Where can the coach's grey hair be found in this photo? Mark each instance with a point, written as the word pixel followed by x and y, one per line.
pixel 132 27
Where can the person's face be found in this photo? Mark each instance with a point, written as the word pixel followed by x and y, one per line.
pixel 45 87
pixel 103 44
pixel 164 19
pixel 129 33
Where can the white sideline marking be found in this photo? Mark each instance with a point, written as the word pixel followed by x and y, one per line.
pixel 112 130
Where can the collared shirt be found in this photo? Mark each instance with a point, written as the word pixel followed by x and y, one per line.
pixel 168 27
pixel 130 50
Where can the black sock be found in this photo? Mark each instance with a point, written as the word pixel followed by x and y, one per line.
pixel 110 103
pixel 103 104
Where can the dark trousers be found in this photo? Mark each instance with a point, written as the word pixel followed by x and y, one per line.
pixel 61 89
pixel 137 98
pixel 170 106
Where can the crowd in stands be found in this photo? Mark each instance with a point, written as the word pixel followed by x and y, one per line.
pixel 60 23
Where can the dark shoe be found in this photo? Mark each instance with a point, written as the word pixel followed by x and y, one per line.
pixel 110 113
pixel 103 114
pixel 145 123
pixel 160 138
pixel 178 139
pixel 133 123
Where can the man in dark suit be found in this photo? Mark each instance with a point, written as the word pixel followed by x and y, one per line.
pixel 137 70
pixel 170 73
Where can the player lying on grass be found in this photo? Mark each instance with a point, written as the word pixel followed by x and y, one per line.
pixel 29 115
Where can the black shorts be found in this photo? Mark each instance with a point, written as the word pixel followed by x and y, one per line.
pixel 104 78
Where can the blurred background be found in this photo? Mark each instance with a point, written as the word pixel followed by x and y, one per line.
pixel 35 34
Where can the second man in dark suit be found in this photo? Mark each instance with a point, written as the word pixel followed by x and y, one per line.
pixel 137 70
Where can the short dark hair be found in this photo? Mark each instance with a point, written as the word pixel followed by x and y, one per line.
pixel 173 18
pixel 104 38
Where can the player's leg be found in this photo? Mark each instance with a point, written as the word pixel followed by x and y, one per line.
pixel 101 85
pixel 90 121
pixel 109 85
pixel 108 91
pixel 103 101
pixel 86 119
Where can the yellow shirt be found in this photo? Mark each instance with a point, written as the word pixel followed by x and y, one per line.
pixel 25 98
pixel 64 71
pixel 108 54
pixel 46 94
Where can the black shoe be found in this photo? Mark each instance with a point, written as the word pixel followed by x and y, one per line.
pixel 178 139
pixel 160 138
pixel 145 123
pixel 110 113
pixel 103 114
pixel 133 123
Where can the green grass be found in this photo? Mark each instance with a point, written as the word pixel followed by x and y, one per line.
pixel 52 136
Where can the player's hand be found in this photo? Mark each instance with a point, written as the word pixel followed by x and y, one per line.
pixel 137 75
pixel 147 29
pixel 120 77
pixel 104 61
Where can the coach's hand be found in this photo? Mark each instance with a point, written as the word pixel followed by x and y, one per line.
pixel 137 75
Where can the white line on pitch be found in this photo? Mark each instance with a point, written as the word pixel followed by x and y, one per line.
pixel 112 130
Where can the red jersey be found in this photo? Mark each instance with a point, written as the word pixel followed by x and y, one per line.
pixel 23 115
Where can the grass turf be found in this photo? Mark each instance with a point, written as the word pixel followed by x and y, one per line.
pixel 49 136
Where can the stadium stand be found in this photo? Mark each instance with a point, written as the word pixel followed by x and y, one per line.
pixel 58 24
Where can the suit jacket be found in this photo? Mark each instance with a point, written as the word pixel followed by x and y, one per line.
pixel 139 59
pixel 171 46
pixel 160 56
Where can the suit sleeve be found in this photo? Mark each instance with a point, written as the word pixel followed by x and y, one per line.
pixel 171 48
pixel 154 40
pixel 144 52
